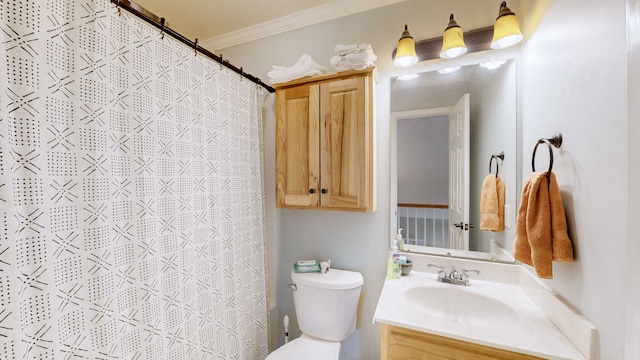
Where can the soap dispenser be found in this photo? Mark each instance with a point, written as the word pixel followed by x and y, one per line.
pixel 400 240
pixel 394 271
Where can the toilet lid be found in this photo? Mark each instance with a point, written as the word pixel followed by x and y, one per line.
pixel 335 279
pixel 307 349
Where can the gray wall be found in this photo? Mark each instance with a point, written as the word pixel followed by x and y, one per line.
pixel 423 160
pixel 572 78
pixel 381 28
pixel 632 346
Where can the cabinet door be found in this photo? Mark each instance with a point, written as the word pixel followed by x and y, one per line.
pixel 405 344
pixel 345 144
pixel 297 137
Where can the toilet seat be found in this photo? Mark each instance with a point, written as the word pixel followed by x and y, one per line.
pixel 308 349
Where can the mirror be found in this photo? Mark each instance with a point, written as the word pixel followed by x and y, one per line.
pixel 438 210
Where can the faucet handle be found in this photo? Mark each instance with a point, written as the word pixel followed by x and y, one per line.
pixel 436 266
pixel 465 273
pixel 470 270
pixel 441 273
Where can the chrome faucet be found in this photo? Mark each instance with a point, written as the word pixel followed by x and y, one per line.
pixel 454 277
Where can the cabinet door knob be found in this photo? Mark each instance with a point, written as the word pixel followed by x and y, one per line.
pixel 312 191
pixel 324 191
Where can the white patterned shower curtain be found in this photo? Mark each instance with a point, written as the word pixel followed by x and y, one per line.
pixel 131 192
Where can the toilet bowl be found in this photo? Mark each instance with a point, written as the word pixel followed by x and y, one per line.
pixel 326 309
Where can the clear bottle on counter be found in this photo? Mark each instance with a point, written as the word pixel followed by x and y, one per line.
pixel 394 271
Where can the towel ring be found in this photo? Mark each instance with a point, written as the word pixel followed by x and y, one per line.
pixel 556 141
pixel 494 156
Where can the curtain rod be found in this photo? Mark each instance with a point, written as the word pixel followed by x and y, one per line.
pixel 160 23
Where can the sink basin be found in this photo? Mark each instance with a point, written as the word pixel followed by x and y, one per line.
pixel 458 304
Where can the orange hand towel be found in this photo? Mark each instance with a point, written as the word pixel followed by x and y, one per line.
pixel 492 204
pixel 500 191
pixel 562 247
pixel 541 228
pixel 521 249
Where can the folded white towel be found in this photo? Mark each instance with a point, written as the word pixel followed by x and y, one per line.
pixel 346 66
pixel 351 49
pixel 354 61
pixel 305 66
pixel 368 56
pixel 305 63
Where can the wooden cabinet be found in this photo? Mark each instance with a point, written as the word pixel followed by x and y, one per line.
pixel 325 151
pixel 405 344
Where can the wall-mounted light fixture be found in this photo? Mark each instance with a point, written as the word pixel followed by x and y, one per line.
pixel 503 34
pixel 429 49
pixel 406 52
pixel 505 31
pixel 452 41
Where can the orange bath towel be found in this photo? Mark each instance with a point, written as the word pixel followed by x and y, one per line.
pixel 492 204
pixel 541 226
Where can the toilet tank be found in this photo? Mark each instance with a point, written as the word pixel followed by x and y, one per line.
pixel 327 304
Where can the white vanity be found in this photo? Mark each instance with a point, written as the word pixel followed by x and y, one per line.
pixel 505 313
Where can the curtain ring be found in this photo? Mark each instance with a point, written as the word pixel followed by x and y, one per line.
pixel 195 47
pixel 162 26
pixel 221 61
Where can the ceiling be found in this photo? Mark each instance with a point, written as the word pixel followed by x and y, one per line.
pixel 222 23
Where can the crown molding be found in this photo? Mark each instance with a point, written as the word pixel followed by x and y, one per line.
pixel 329 11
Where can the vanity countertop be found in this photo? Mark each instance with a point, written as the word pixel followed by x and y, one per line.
pixel 533 333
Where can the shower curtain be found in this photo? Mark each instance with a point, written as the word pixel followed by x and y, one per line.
pixel 131 192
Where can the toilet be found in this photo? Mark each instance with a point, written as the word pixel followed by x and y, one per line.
pixel 326 307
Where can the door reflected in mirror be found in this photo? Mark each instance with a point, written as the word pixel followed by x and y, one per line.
pixel 445 128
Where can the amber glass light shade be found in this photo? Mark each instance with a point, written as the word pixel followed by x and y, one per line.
pixel 406 53
pixel 452 41
pixel 506 31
